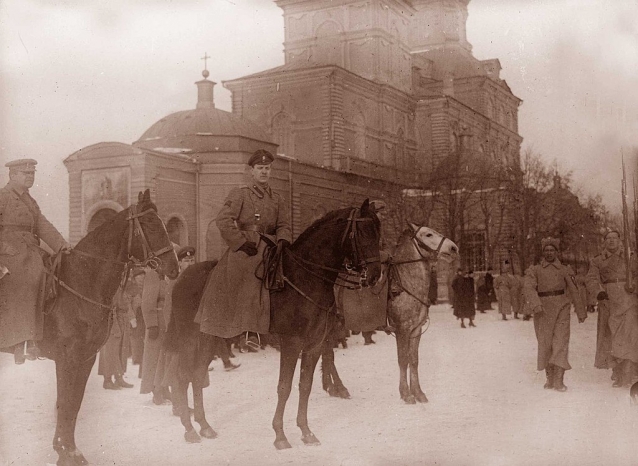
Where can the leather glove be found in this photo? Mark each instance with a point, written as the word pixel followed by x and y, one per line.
pixel 602 296
pixel 153 332
pixel 284 243
pixel 249 248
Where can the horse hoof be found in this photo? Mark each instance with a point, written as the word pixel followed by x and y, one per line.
pixel 192 437
pixel 310 440
pixel 409 400
pixel 343 393
pixel 282 444
pixel 421 398
pixel 208 432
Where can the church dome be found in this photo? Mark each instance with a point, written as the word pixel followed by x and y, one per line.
pixel 203 129
pixel 190 129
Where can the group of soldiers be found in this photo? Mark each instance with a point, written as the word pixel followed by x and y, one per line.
pixel 255 217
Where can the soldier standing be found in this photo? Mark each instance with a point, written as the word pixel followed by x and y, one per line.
pixel 234 300
pixel 549 287
pixel 617 332
pixel 22 226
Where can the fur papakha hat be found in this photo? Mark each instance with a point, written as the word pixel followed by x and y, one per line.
pixel 549 241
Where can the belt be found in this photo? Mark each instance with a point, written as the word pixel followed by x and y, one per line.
pixel 614 280
pixel 543 294
pixel 257 229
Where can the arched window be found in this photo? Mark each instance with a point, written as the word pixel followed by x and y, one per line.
pixel 99 217
pixel 177 231
pixel 282 133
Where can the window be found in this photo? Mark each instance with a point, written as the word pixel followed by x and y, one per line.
pixel 473 250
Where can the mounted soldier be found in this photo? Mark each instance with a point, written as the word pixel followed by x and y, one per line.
pixel 22 290
pixel 252 217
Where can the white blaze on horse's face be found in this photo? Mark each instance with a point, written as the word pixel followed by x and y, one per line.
pixel 434 240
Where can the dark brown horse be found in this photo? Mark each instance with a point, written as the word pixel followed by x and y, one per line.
pixel 79 321
pixel 408 307
pixel 302 313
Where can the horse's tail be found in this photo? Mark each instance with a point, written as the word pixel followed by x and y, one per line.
pixel 186 295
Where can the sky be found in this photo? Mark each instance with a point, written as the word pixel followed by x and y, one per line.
pixel 78 72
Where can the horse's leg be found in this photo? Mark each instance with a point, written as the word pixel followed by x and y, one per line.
pixel 415 386
pixel 180 400
pixel 403 351
pixel 200 415
pixel 207 349
pixel 308 364
pixel 290 349
pixel 329 376
pixel 71 384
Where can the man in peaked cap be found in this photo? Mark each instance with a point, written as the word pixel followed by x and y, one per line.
pixel 617 328
pixel 549 289
pixel 22 226
pixel 234 300
pixel 186 257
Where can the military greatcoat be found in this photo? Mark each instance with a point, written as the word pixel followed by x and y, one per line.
pixel 550 285
pixel 507 287
pixel 234 300
pixel 22 225
pixel 153 299
pixel 617 335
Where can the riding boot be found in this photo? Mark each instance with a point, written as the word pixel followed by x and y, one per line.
pixel 120 382
pixel 463 324
pixel 549 373
pixel 109 385
pixel 559 386
pixel 229 366
pixel 472 323
pixel 18 353
pixel 33 352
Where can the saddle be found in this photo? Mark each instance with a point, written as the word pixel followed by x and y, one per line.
pixel 273 278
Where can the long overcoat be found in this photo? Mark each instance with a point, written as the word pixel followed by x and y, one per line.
pixel 507 288
pixel 153 296
pixel 234 300
pixel 617 335
pixel 114 354
pixel 464 297
pixel 551 286
pixel 22 226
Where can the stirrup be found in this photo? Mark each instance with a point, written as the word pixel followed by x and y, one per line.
pixel 252 344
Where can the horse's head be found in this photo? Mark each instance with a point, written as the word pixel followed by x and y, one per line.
pixel 361 242
pixel 148 239
pixel 435 243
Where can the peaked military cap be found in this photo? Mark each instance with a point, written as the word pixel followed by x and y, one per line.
pixel 186 251
pixel 27 165
pixel 261 157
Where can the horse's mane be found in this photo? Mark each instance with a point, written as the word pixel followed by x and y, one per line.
pixel 99 234
pixel 317 224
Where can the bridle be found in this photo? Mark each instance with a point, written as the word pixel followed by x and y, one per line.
pixel 150 258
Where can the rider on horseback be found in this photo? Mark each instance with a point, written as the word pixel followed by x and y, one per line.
pixel 22 290
pixel 252 216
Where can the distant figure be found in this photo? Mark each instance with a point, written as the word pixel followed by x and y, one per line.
pixel 506 287
pixel 464 298
pixel 489 284
pixel 483 299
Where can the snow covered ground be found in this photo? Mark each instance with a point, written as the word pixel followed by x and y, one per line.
pixel 487 407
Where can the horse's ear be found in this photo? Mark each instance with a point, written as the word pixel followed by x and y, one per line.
pixel 144 197
pixel 413 226
pixel 365 207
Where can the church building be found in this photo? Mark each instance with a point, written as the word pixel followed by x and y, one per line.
pixel 374 96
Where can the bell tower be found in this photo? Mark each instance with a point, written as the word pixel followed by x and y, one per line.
pixel 438 24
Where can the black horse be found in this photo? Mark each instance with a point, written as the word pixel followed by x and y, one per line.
pixel 78 322
pixel 303 313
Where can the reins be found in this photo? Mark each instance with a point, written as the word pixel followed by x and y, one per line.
pixel 150 259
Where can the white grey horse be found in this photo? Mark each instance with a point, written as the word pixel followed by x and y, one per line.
pixel 408 304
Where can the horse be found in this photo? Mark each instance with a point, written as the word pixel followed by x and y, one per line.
pixel 408 273
pixel 302 313
pixel 78 322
